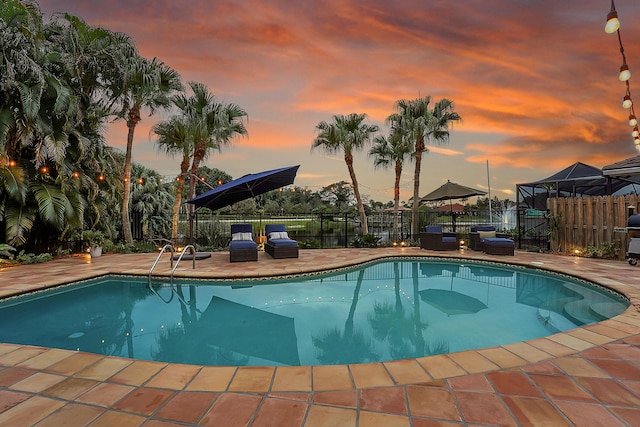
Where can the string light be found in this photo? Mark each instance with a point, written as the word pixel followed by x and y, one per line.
pixel 625 74
pixel 613 26
pixel 613 23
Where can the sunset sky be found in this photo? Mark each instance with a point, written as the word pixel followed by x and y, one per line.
pixel 535 81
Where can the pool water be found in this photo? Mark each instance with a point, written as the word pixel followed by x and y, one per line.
pixel 386 310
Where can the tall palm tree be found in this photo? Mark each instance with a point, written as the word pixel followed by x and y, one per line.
pixel 347 133
pixel 149 84
pixel 423 124
pixel 174 139
pixel 392 151
pixel 212 124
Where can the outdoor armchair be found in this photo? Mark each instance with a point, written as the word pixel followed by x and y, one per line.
pixel 435 239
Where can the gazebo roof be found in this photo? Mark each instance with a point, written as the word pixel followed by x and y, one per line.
pixel 627 169
pixel 580 178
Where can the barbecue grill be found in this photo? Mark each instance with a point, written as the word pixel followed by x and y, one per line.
pixel 633 230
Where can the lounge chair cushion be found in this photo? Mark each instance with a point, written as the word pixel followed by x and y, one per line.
pixel 241 228
pixel 242 244
pixel 282 242
pixel 241 236
pixel 449 239
pixel 278 235
pixel 483 228
pixel 433 229
pixel 499 242
pixel 270 228
pixel 486 234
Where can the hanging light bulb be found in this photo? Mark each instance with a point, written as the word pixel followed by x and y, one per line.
pixel 627 102
pixel 613 23
pixel 632 120
pixel 625 74
pixel 636 140
pixel 636 132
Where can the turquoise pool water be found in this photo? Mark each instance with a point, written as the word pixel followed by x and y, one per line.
pixel 385 310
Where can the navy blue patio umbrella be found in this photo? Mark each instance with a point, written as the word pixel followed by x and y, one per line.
pixel 245 187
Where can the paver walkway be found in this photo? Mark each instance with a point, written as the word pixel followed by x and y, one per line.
pixel 586 376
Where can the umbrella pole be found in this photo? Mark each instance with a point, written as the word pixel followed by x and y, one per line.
pixel 453 216
pixel 191 215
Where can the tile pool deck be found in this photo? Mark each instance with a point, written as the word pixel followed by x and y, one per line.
pixel 585 376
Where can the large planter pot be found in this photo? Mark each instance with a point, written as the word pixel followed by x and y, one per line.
pixel 95 251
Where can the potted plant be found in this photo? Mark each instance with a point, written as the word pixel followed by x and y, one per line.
pixel 95 240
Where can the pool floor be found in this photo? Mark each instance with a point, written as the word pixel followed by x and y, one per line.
pixel 588 375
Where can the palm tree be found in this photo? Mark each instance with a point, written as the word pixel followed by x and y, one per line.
pixel 152 199
pixel 347 133
pixel 388 151
pixel 174 139
pixel 212 124
pixel 149 84
pixel 422 124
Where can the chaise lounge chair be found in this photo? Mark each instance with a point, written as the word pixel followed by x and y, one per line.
pixel 435 239
pixel 278 243
pixel 242 246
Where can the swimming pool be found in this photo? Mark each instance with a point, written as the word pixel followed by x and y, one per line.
pixel 390 309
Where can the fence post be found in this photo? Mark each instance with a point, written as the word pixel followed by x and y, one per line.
pixel 346 231
pixel 321 231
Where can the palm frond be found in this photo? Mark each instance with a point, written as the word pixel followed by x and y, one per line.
pixel 12 183
pixel 19 222
pixel 53 204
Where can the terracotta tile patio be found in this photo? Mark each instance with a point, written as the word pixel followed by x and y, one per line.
pixel 586 376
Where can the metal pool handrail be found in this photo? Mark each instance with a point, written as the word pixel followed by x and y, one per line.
pixel 168 246
pixel 193 256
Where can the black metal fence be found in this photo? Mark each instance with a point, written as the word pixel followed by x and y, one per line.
pixel 212 231
pixel 325 230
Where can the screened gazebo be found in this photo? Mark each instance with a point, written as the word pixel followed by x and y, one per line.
pixel 577 180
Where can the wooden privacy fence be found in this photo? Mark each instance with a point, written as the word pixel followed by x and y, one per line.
pixel 581 222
